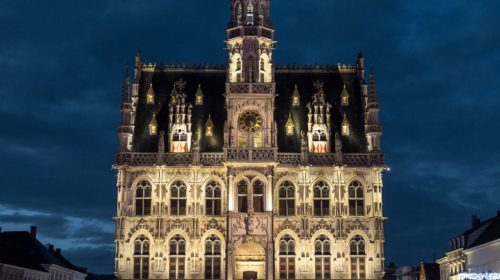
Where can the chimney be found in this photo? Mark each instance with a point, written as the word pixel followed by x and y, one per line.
pixel 475 221
pixel 51 247
pixel 33 231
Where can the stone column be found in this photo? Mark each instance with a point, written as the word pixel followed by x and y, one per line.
pixel 269 194
pixel 230 194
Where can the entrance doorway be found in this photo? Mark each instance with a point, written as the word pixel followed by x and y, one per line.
pixel 249 275
pixel 250 261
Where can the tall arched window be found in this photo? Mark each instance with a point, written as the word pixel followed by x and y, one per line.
pixel 213 258
pixel 239 14
pixel 356 199
pixel 242 196
pixel 178 198
pixel 287 257
pixel 143 199
pixel 177 251
pixel 258 196
pixel 357 252
pixel 250 19
pixel 213 199
pixel 321 199
pixel 322 254
pixel 141 257
pixel 287 199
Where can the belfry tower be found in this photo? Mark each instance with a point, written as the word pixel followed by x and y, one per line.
pixel 250 170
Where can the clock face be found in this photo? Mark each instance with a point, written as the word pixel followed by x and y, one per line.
pixel 250 121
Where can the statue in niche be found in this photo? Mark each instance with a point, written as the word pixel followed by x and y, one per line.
pixel 249 223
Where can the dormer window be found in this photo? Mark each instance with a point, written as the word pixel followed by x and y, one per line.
pixel 296 96
pixel 153 126
pixel 250 20
pixel 290 126
pixel 150 95
pixel 209 127
pixel 345 126
pixel 319 142
pixel 199 96
pixel 344 97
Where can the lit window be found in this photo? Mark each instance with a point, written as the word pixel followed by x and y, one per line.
pixel 141 258
pixel 357 252
pixel 356 199
pixel 296 96
pixel 287 257
pixel 209 127
pixel 344 97
pixel 322 257
pixel 213 257
pixel 287 199
pixel 345 126
pixel 321 199
pixel 178 199
pixel 239 14
pixel 199 96
pixel 143 199
pixel 213 199
pixel 290 126
pixel 258 196
pixel 250 20
pixel 242 197
pixel 150 96
pixel 177 248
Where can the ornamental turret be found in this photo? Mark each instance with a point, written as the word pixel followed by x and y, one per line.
pixel 179 117
pixel 318 121
pixel 250 42
pixel 126 130
pixel 372 128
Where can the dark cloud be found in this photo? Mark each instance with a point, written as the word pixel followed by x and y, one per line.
pixel 62 65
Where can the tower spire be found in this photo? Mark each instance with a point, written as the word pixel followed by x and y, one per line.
pixel 373 87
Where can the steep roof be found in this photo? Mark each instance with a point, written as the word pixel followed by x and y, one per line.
pixel 489 231
pixel 21 249
pixel 212 81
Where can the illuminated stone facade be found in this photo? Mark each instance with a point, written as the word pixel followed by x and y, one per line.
pixel 251 170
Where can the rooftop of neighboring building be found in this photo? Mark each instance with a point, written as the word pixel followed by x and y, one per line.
pixel 480 232
pixel 22 249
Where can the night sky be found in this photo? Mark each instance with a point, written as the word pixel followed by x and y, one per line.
pixel 62 64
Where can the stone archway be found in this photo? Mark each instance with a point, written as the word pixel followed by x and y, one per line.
pixel 250 261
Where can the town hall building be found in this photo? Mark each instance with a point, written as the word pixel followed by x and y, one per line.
pixel 249 170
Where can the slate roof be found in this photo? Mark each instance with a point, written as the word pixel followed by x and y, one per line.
pixel 487 231
pixel 21 249
pixel 212 81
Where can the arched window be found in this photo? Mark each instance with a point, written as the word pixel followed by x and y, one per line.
pixel 143 199
pixel 322 254
pixel 262 65
pixel 287 199
pixel 358 262
pixel 287 257
pixel 177 251
pixel 321 199
pixel 178 198
pixel 258 196
pixel 250 20
pixel 141 257
pixel 242 196
pixel 239 14
pixel 356 199
pixel 213 198
pixel 238 64
pixel 213 258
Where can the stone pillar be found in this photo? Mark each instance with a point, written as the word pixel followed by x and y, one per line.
pixel 269 194
pixel 230 194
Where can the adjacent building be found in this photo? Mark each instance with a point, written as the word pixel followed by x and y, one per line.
pixel 23 257
pixel 249 170
pixel 474 254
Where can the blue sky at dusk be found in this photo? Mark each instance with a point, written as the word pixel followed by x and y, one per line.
pixel 62 64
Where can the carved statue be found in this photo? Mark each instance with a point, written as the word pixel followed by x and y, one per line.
pixel 249 226
pixel 161 142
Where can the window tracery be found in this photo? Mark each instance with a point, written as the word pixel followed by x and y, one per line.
pixel 287 257
pixel 177 251
pixel 178 198
pixel 287 199
pixel 141 257
pixel 322 255
pixel 143 198
pixel 356 199
pixel 213 257
pixel 321 199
